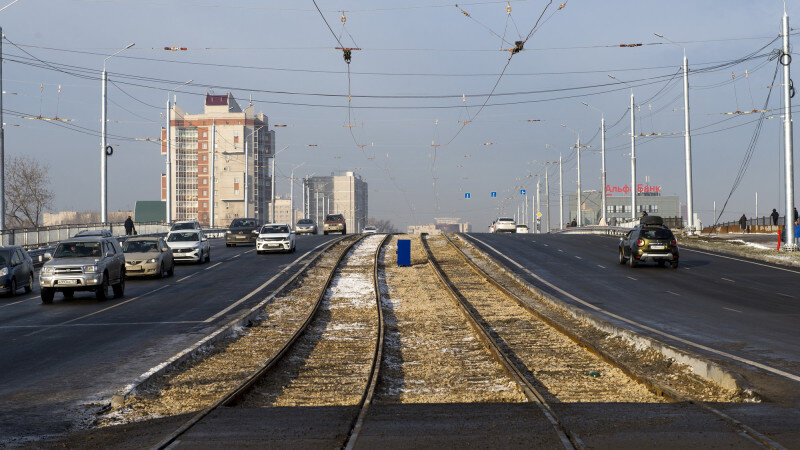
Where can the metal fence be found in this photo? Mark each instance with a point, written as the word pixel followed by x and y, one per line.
pixel 32 238
pixel 758 221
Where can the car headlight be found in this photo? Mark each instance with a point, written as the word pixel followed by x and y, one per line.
pixel 152 260
pixel 90 269
pixel 3 271
pixel 47 270
pixel 227 231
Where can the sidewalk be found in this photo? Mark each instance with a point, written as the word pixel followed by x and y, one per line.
pixel 749 245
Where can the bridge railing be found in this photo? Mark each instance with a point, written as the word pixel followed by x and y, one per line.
pixel 596 229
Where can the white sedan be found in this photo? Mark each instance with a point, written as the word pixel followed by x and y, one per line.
pixel 505 225
pixel 189 245
pixel 275 237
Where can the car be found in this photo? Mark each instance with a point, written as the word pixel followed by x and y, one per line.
pixel 334 223
pixel 505 225
pixel 275 237
pixel 87 263
pixel 16 270
pixel 522 228
pixel 650 241
pixel 305 226
pixel 369 229
pixel 102 233
pixel 185 225
pixel 148 256
pixel 241 231
pixel 189 245
pixel 491 228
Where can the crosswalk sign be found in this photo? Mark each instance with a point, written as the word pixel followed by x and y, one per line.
pixel 494 194
pixel 466 195
pixel 522 192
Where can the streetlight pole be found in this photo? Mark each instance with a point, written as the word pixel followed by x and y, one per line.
pixel 272 201
pixel 604 220
pixel 687 139
pixel 791 243
pixel 2 146
pixel 291 194
pixel 169 153
pixel 547 200
pixel 103 139
pixel 560 195
pixel 633 150
pixel 578 219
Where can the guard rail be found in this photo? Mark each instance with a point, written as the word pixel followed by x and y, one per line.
pixel 595 229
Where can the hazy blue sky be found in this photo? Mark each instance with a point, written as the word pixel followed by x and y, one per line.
pixel 420 47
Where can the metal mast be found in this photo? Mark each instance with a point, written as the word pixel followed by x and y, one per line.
pixel 791 243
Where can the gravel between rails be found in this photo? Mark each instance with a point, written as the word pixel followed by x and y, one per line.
pixel 431 354
pixel 644 361
pixel 330 364
pixel 204 379
pixel 553 360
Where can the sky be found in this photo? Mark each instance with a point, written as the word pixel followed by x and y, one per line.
pixel 415 128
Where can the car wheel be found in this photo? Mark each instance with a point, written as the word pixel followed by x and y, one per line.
pixel 208 256
pixel 673 264
pixel 29 287
pixel 101 292
pixel 622 259
pixel 171 270
pixel 13 291
pixel 160 271
pixel 325 233
pixel 47 295
pixel 632 262
pixel 119 288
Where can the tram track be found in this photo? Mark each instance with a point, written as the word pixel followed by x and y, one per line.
pixel 252 392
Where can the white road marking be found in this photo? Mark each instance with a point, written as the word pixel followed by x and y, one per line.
pixel 728 279
pixel 673 293
pixel 578 257
pixel 742 260
pixel 265 284
pixel 19 301
pixel 780 372
pixel 186 277
pixel 109 324
pixel 547 245
pixel 47 327
pixel 634 279
pixel 785 295
pixel 562 251
pixel 211 267
pixel 602 267
pixel 731 309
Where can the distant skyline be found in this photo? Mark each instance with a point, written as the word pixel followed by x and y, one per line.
pixel 417 81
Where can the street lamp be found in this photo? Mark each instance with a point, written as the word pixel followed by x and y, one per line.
pixel 604 221
pixel 103 141
pixel 687 139
pixel 169 154
pixel 633 150
pixel 272 203
pixel 579 220
pixel 291 193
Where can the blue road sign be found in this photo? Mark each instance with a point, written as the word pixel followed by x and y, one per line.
pixel 494 194
pixel 522 192
pixel 466 195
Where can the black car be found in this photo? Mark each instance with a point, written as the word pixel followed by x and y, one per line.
pixel 16 270
pixel 649 241
pixel 242 231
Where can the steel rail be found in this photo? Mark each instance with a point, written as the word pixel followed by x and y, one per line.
pixel 568 439
pixel 653 385
pixel 234 394
pixel 366 399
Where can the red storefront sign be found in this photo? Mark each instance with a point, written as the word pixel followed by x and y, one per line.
pixel 640 189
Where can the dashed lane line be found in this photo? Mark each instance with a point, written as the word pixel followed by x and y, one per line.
pixel 602 267
pixel 731 309
pixel 211 267
pixel 634 279
pixel 742 260
pixel 578 257
pixel 728 279
pixel 785 295
pixel 108 324
pixel 186 277
pixel 47 327
pixel 770 369
pixel 20 301
pixel 265 284
pixel 673 293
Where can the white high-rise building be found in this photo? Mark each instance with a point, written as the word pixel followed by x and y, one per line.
pixel 342 193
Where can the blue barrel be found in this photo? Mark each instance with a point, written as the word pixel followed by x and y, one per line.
pixel 403 252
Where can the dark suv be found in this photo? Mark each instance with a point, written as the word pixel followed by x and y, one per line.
pixel 650 241
pixel 242 231
pixel 334 223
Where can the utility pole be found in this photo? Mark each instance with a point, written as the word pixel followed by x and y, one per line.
pixel 578 212
pixel 603 167
pixel 169 161
pixel 688 145
pixel 538 206
pixel 547 200
pixel 213 170
pixel 246 184
pixel 785 60
pixel 756 215
pixel 2 146
pixel 560 196
pixel 633 159
pixel 715 213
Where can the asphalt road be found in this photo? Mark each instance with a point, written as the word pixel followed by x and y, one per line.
pixel 58 361
pixel 744 313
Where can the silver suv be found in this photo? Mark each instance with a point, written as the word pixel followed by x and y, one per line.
pixel 84 264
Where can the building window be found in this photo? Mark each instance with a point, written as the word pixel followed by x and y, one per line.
pixel 205 169
pixel 236 133
pixel 204 157
pixel 205 180
pixel 205 133
pixel 205 204
pixel 237 192
pixel 205 145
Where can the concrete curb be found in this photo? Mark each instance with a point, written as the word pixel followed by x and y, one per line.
pixel 701 365
pixel 228 330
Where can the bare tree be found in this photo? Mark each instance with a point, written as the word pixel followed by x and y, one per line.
pixel 27 191
pixel 383 226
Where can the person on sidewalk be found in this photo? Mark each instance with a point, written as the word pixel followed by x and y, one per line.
pixel 129 228
pixel 774 216
pixel 743 223
pixel 795 214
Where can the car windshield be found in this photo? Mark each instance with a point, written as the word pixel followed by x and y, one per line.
pixel 331 218
pixel 184 226
pixel 183 237
pixel 505 219
pixel 4 258
pixel 656 233
pixel 244 223
pixel 134 246
pixel 77 250
pixel 305 221
pixel 270 229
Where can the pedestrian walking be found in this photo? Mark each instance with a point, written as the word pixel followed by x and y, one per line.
pixel 574 223
pixel 129 228
pixel 743 223
pixel 774 216
pixel 796 230
pixel 795 214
